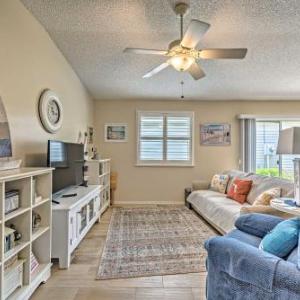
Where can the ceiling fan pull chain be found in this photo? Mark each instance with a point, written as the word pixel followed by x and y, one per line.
pixel 181 27
pixel 182 95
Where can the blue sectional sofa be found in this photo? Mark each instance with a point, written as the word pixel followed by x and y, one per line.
pixel 237 269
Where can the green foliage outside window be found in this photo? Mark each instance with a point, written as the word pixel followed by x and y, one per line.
pixel 274 172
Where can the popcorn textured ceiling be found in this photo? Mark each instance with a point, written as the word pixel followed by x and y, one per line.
pixel 93 33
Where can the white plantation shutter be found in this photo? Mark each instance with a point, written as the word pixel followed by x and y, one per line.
pixel 151 138
pixel 165 138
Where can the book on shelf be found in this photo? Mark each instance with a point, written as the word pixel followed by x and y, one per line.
pixel 34 264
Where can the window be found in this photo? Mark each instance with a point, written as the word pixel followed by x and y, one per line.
pixel 267 162
pixel 165 138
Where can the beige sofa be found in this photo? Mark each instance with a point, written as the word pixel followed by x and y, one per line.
pixel 222 212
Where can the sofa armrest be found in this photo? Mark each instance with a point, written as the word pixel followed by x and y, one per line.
pixel 257 224
pixel 241 261
pixel 200 185
pixel 264 209
pixel 288 278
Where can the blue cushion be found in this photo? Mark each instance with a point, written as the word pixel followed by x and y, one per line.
pixel 244 237
pixel 257 224
pixel 282 239
pixel 293 257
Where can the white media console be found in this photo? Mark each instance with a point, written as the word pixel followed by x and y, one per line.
pixel 72 218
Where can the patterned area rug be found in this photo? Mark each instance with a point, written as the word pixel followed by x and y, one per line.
pixel 154 241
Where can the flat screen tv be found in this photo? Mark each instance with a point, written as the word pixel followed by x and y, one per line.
pixel 68 161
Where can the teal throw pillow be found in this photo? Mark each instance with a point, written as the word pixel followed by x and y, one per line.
pixel 282 239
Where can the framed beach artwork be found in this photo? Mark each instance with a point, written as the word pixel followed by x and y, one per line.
pixel 215 134
pixel 115 132
pixel 5 140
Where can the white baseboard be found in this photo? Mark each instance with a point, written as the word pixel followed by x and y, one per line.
pixel 128 203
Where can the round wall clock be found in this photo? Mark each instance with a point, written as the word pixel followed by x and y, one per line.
pixel 50 111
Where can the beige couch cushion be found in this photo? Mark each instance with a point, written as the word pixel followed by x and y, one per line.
pixel 215 207
pixel 200 185
pixel 264 183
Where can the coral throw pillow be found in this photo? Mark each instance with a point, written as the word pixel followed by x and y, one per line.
pixel 239 190
pixel 267 196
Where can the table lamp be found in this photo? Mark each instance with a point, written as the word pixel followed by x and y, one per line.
pixel 289 143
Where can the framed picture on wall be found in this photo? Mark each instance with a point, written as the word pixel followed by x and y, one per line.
pixel 115 132
pixel 215 134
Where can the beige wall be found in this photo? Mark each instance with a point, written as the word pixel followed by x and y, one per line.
pixel 29 63
pixel 166 184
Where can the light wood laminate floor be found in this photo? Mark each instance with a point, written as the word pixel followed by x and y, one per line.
pixel 78 282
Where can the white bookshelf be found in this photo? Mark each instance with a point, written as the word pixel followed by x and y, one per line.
pixel 39 241
pixel 98 173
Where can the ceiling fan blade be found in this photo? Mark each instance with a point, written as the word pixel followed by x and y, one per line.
pixel 194 33
pixel 196 72
pixel 238 53
pixel 156 70
pixel 145 51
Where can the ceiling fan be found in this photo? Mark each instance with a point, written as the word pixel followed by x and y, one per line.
pixel 183 54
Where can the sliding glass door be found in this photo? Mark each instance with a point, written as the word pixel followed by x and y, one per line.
pixel 267 162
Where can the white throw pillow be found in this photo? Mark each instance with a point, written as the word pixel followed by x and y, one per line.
pixel 219 183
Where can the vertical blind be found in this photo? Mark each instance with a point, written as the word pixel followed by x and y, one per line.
pixel 247 158
pixel 165 138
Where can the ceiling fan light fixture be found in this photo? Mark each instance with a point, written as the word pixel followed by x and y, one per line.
pixel 181 62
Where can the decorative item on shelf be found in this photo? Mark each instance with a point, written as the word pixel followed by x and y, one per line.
pixel 6 160
pixel 289 144
pixel 90 141
pixel 96 155
pixel 85 146
pixel 85 181
pixel 13 278
pixel 50 111
pixel 9 239
pixel 36 220
pixel 115 132
pixel 10 164
pixel 90 135
pixel 17 234
pixel 10 262
pixel 34 264
pixel 215 134
pixel 35 197
pixel 12 201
